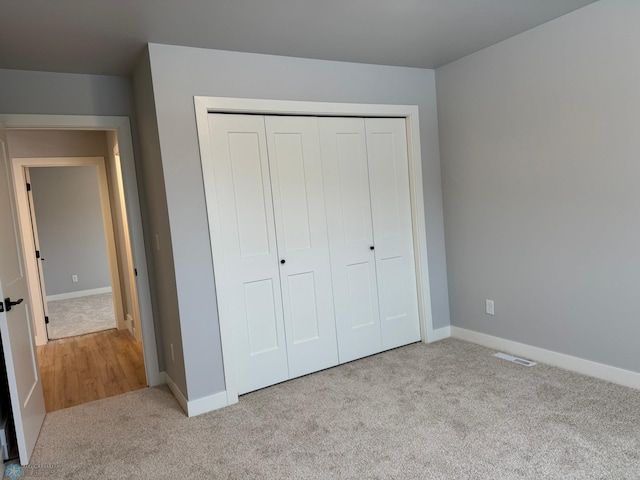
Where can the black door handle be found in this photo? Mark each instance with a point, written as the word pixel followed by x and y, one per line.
pixel 371 247
pixel 283 261
pixel 8 303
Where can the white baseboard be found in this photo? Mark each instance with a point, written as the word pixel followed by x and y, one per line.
pixel 78 294
pixel 199 405
pixel 128 321
pixel 207 404
pixel 182 400
pixel 617 375
pixel 439 334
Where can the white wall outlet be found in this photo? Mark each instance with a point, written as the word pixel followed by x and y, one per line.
pixel 490 307
pixel 173 356
pixel 74 278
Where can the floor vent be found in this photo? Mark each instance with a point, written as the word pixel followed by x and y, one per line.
pixel 526 363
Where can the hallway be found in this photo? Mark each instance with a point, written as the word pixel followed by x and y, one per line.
pixel 81 369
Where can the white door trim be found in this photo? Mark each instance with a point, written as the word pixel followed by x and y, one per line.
pixel 18 166
pixel 206 105
pixel 123 130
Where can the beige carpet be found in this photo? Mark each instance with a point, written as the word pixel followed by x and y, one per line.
pixel 79 316
pixel 449 410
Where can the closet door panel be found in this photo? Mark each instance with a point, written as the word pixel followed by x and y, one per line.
pixel 301 230
pixel 355 290
pixel 392 230
pixel 288 155
pixel 249 292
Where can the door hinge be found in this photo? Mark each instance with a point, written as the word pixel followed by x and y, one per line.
pixel 37 253
pixel 28 187
pixel 46 320
pixel 1 307
pixel 135 272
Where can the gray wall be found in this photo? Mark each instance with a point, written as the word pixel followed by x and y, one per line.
pixel 541 179
pixel 159 261
pixel 29 92
pixel 55 143
pixel 179 73
pixel 69 218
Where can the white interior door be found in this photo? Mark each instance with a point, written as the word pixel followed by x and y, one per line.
pixel 25 385
pixel 36 245
pixel 392 230
pixel 301 229
pixel 245 251
pixel 355 290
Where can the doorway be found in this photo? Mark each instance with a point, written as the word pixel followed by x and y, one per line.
pixel 87 245
pixel 25 382
pixel 75 249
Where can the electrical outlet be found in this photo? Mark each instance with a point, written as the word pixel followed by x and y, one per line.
pixel 490 307
pixel 74 278
pixel 173 356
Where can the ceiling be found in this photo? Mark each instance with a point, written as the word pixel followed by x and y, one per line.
pixel 107 36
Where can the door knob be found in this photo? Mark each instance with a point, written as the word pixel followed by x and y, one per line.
pixel 371 247
pixel 8 303
pixel 283 261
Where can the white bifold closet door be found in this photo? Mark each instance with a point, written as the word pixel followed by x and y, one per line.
pixel 275 248
pixel 353 261
pixel 392 230
pixel 370 234
pixel 301 232
pixel 250 293
pixel 313 246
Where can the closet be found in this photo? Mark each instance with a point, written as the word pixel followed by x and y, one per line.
pixel 316 246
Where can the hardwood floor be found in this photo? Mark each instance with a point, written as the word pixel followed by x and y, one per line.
pixel 81 369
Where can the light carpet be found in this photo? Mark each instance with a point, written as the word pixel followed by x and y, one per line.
pixel 79 316
pixel 448 410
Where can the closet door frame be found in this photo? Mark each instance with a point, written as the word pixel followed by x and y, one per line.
pixel 206 105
